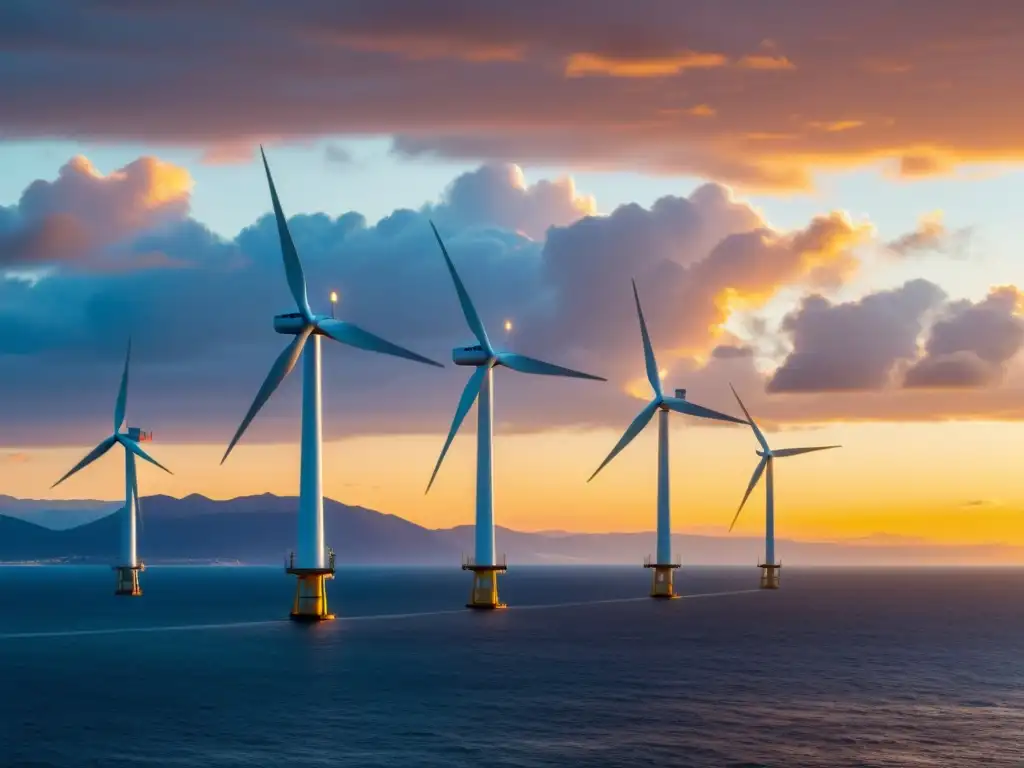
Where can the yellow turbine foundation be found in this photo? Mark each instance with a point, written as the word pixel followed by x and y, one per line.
pixel 128 580
pixel 484 594
pixel 661 581
pixel 770 576
pixel 311 594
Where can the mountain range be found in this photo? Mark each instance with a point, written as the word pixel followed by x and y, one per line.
pixel 261 530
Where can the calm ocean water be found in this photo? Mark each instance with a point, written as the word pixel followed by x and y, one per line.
pixel 838 668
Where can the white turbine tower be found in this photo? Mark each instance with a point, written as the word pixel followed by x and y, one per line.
pixel 663 565
pixel 769 568
pixel 485 359
pixel 129 565
pixel 311 570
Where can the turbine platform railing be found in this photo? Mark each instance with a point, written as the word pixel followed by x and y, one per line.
pixel 651 562
pixel 469 564
pixel 771 574
pixel 289 565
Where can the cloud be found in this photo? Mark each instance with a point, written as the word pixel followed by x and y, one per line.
pixel 17 457
pixel 695 261
pixel 581 64
pixel 598 86
pixel 498 195
pixel 856 345
pixel 971 344
pixel 335 154
pixel 529 252
pixel 81 217
pixel 730 352
pixel 975 503
pixel 931 235
pixel 760 61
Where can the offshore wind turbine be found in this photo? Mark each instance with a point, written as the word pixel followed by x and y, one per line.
pixel 309 567
pixel 769 568
pixel 129 565
pixel 485 358
pixel 663 565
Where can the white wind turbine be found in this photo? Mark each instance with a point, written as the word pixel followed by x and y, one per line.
pixel 769 568
pixel 129 566
pixel 307 328
pixel 485 359
pixel 663 566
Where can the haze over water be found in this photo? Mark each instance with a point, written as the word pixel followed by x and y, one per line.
pixel 838 668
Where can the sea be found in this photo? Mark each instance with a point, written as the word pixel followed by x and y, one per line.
pixel 905 667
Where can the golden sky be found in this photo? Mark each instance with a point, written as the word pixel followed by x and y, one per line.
pixel 948 482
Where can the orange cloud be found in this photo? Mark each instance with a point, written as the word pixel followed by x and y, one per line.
pixel 765 62
pixel 417 48
pixel 582 64
pixel 837 125
pixel 916 164
pixel 494 80
pixel 83 213
pixel 229 153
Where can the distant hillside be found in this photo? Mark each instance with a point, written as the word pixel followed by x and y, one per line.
pixel 56 514
pixel 261 529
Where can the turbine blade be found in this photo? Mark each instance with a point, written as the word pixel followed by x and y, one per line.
pixel 90 457
pixel 797 451
pixel 292 265
pixel 634 429
pixel 750 421
pixel 472 318
pixel 136 449
pixel 525 364
pixel 692 409
pixel 122 394
pixel 354 336
pixel 649 361
pixel 135 491
pixel 469 395
pixel 750 488
pixel 278 371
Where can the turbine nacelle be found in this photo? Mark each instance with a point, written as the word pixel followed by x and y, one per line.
pixel 139 435
pixel 680 395
pixel 764 453
pixel 291 323
pixel 474 356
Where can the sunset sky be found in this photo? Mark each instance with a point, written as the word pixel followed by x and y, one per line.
pixel 820 203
